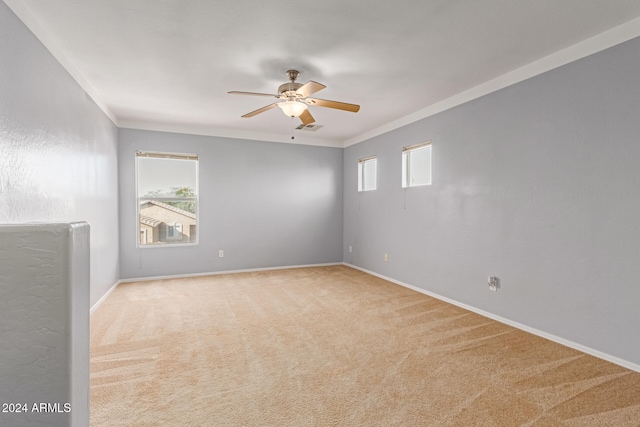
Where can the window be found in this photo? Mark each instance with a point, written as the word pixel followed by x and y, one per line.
pixel 416 165
pixel 174 231
pixel 367 170
pixel 167 192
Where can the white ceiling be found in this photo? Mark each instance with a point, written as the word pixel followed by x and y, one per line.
pixel 168 64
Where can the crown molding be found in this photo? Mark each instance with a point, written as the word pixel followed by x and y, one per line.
pixel 597 43
pixel 204 130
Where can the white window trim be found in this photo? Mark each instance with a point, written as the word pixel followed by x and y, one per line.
pixel 406 165
pixel 361 173
pixel 166 155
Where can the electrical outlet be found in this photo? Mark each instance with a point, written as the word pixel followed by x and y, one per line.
pixel 350 249
pixel 386 257
pixel 493 283
pixel 220 253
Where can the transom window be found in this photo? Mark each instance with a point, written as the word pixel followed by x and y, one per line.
pixel 367 171
pixel 167 191
pixel 416 165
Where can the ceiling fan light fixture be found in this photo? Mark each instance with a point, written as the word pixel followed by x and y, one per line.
pixel 292 108
pixel 294 98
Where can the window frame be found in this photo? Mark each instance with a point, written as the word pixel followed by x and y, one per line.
pixel 362 173
pixel 176 156
pixel 406 164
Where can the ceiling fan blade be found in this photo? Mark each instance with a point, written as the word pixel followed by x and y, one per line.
pixel 334 104
pixel 235 92
pixel 306 118
pixel 261 110
pixel 309 88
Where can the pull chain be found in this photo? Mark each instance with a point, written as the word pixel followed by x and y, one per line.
pixel 293 128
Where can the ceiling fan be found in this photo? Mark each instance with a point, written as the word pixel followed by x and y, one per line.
pixel 294 99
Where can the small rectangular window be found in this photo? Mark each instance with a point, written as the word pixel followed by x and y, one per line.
pixel 416 165
pixel 367 171
pixel 167 191
pixel 174 231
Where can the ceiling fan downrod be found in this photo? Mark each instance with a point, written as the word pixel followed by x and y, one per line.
pixel 293 75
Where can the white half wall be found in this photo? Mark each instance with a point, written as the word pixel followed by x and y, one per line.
pixel 44 325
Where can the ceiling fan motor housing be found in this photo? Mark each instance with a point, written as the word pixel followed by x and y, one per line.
pixel 289 87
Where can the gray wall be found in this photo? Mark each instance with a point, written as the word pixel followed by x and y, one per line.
pixel 538 184
pixel 265 204
pixel 58 159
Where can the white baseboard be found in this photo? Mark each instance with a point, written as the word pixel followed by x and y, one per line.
pixel 551 337
pixel 104 297
pixel 217 273
pixel 213 273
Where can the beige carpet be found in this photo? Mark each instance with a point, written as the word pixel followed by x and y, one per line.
pixel 332 346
